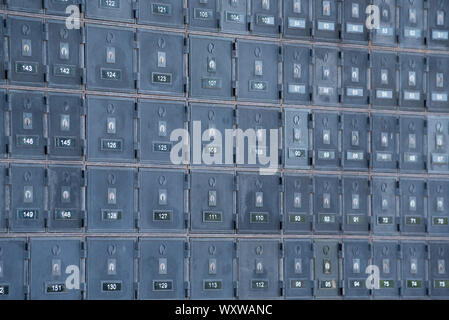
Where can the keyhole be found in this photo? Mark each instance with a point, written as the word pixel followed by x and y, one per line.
pixel 297 201
pixel 297 71
pixel 26 48
pixel 27 194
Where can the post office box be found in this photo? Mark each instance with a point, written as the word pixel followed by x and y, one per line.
pixel 296 19
pixel 412 208
pixel 111 199
pixel 26 50
pixel 111 268
pixel 297 204
pixel 211 67
pixel 412 151
pixel 162 200
pixel 208 125
pixel 412 81
pixel 438 273
pixel 355 64
pixel 234 16
pixel 212 201
pixel 437 144
pixel 296 137
pixel 261 125
pixel 384 204
pixel 118 10
pixel 258 268
pixel 414 269
pixel 298 271
pixel 438 85
pixel 355 141
pixel 24 5
pixel 384 66
pixel 26 112
pixel 438 25
pixel 354 21
pixel 64 56
pixel 326 208
pixel 412 23
pixel 204 15
pixel 58 7
pixel 110 129
pixel 66 197
pixel 437 206
pixel 385 35
pixel 161 61
pixel 258 203
pixel 2 49
pixel 56 269
pixel 27 192
pixel 326 139
pixel 3 139
pixel 384 130
pixel 265 17
pixel 3 199
pixel 161 12
pixel 325 75
pixel 65 128
pixel 356 258
pixel 296 74
pixel 386 259
pixel 258 68
pixel 157 121
pixel 161 268
pixel 212 268
pixel 356 197
pixel 326 264
pixel 325 20
pixel 13 275
pixel 110 59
